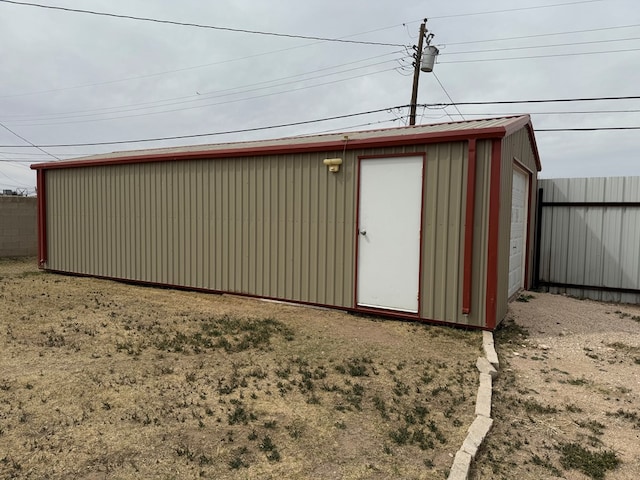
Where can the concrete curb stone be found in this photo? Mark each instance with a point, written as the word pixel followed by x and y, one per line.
pixel 461 464
pixel 483 399
pixel 477 433
pixel 488 368
pixel 490 349
pixel 484 366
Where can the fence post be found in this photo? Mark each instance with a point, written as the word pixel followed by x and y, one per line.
pixel 536 266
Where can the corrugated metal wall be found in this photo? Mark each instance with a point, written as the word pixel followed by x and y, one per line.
pixel 514 147
pixel 272 226
pixel 442 230
pixel 481 235
pixel 595 246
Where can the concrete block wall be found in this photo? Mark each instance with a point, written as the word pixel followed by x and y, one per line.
pixel 18 226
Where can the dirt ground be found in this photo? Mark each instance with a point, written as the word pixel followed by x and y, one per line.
pixel 567 402
pixel 100 379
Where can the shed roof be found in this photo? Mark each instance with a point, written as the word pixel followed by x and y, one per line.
pixel 432 133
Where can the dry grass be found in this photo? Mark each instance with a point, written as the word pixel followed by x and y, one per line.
pixel 107 380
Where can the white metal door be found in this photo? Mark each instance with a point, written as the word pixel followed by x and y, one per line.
pixel 519 207
pixel 390 208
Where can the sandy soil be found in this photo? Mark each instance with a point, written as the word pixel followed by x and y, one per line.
pixel 101 380
pixel 581 358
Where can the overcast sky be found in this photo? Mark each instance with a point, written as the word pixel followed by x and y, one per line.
pixel 69 78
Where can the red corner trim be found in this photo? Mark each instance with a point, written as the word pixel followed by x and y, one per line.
pixel 42 218
pixel 494 234
pixel 468 228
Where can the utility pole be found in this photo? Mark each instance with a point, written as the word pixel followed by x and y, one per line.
pixel 416 73
pixel 433 51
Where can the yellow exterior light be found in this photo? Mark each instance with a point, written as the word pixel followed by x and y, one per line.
pixel 333 164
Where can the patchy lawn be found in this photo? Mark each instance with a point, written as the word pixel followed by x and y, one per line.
pixel 102 379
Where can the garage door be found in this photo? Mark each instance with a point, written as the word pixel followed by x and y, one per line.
pixel 519 207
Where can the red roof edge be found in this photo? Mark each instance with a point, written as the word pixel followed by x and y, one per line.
pixel 284 148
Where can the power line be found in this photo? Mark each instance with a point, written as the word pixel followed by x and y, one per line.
pixel 44 123
pixel 14 183
pixel 306 122
pixel 53 120
pixel 29 142
pixel 585 129
pixel 572 112
pixel 316 132
pixel 290 90
pixel 542 46
pixel 539 56
pixel 23 160
pixel 150 75
pixel 447 94
pixel 244 130
pixel 547 100
pixel 15 155
pixel 200 25
pixel 490 12
pixel 24 154
pixel 503 39
pixel 200 98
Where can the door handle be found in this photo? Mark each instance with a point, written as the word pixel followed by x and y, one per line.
pixel 362 232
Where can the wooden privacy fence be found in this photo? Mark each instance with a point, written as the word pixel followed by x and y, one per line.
pixel 588 238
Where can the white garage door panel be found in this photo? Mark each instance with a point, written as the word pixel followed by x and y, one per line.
pixel 519 207
pixel 389 240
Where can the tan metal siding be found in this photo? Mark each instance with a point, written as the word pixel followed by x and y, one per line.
pixel 477 317
pixel 516 146
pixel 278 226
pixel 443 211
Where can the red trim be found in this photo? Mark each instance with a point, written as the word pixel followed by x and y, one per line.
pixel 424 171
pixel 356 239
pixel 494 234
pixel 355 287
pixel 468 228
pixel 283 148
pixel 529 222
pixel 42 218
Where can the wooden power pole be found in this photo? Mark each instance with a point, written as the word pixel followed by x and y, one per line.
pixel 416 73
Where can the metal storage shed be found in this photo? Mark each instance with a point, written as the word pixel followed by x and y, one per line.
pixel 431 222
